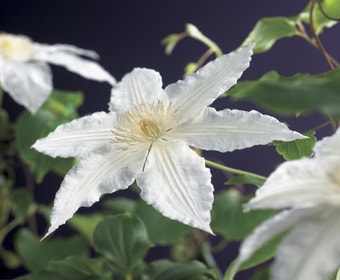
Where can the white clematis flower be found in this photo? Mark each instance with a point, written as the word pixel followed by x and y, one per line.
pixel 26 76
pixel 310 188
pixel 146 137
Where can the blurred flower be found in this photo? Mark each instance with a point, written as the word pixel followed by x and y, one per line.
pixel 146 137
pixel 310 188
pixel 26 76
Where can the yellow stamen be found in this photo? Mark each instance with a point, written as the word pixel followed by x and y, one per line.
pixel 145 124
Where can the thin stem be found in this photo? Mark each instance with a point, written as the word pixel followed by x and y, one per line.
pixel 316 38
pixel 233 170
pixel 209 258
pixel 204 57
pixel 8 227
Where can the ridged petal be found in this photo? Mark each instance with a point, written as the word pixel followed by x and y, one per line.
pixel 230 130
pixel 299 183
pixel 84 184
pixel 311 250
pixel 200 89
pixel 67 56
pixel 177 184
pixel 265 232
pixel 139 86
pixel 29 83
pixel 78 137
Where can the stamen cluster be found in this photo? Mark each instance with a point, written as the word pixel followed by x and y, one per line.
pixel 145 124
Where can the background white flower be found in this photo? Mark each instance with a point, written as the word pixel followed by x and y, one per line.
pixel 146 137
pixel 310 188
pixel 26 76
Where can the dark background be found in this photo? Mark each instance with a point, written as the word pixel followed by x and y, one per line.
pixel 127 34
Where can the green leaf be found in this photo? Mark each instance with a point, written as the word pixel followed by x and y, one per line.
pixel 301 93
pixel 161 230
pixel 36 254
pixel 331 8
pixel 296 149
pixel 9 258
pixel 59 108
pixel 85 224
pixel 122 239
pixel 229 219
pixel 268 30
pixel 118 205
pixel 167 270
pixel 245 179
pixel 73 269
pixel 22 205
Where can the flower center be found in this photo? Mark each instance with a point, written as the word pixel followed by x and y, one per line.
pixel 145 124
pixel 14 47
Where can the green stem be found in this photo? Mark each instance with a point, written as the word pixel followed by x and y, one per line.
pixel 8 227
pixel 233 170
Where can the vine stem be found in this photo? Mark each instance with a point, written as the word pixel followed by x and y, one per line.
pixel 316 38
pixel 233 170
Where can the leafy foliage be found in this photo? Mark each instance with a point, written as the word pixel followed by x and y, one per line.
pixel 123 240
pixel 301 93
pixel 60 108
pixel 298 148
pixel 228 218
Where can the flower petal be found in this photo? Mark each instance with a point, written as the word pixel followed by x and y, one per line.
pixel 299 183
pixel 139 86
pixel 311 250
pixel 328 146
pixel 66 48
pixel 265 232
pixel 203 87
pixel 67 57
pixel 87 181
pixel 78 137
pixel 230 130
pixel 29 83
pixel 176 182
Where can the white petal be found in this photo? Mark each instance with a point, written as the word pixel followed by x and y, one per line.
pixel 177 184
pixel 139 86
pixel 66 48
pixel 311 250
pixel 78 137
pixel 230 130
pixel 299 183
pixel 86 182
pixel 328 146
pixel 69 59
pixel 203 87
pixel 265 232
pixel 29 83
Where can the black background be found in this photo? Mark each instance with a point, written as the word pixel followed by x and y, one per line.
pixel 127 34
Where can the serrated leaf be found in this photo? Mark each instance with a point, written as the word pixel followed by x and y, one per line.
pixel 59 108
pixel 36 254
pixel 167 270
pixel 245 179
pixel 228 218
pixel 301 93
pixel 268 30
pixel 296 149
pixel 122 239
pixel 161 230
